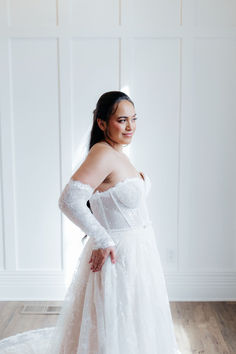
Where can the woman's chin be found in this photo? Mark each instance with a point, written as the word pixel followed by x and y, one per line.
pixel 126 139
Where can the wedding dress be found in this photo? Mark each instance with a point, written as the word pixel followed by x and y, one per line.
pixel 124 307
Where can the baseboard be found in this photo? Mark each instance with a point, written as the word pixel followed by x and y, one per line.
pixel 199 286
pixel 32 285
pixel 184 286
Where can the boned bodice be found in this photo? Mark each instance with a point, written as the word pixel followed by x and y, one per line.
pixel 122 206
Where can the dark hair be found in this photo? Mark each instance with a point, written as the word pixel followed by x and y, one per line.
pixel 105 107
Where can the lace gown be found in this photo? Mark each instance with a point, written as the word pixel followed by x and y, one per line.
pixel 122 309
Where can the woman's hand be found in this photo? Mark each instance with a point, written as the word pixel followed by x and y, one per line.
pixel 99 256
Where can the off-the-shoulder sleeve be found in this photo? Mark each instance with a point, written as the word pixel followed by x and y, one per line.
pixel 73 203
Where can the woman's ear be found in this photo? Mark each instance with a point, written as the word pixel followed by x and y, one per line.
pixel 101 124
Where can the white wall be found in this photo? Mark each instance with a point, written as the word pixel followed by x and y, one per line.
pixel 176 59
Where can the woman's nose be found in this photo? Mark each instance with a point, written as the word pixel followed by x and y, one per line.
pixel 129 126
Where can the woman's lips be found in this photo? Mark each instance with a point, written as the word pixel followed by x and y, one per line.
pixel 128 134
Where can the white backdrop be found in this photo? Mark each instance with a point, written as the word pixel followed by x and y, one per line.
pixel 176 60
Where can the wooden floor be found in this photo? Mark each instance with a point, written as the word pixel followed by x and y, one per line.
pixel 200 327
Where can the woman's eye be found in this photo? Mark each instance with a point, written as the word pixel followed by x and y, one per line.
pixel 123 120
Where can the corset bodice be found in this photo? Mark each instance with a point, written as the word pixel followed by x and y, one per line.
pixel 122 206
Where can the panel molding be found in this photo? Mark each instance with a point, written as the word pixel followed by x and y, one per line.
pixel 205 285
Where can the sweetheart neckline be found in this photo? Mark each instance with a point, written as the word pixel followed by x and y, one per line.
pixel 118 183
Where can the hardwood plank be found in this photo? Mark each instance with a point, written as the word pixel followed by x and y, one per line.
pixel 200 327
pixel 12 321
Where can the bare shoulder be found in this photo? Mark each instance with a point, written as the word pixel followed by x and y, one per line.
pixel 102 154
pixel 98 164
pixel 102 150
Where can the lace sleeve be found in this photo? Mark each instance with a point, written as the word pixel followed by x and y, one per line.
pixel 72 203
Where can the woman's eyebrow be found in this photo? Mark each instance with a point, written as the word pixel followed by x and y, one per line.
pixel 126 116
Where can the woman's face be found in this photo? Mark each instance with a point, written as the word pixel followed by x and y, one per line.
pixel 122 124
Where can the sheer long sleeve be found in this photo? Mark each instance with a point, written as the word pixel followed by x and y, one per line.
pixel 73 203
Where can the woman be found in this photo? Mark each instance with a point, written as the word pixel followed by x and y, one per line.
pixel 117 301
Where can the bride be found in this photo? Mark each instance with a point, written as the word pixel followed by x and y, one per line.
pixel 117 301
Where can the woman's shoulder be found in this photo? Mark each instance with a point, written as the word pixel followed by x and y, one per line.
pixel 102 149
pixel 98 162
pixel 101 153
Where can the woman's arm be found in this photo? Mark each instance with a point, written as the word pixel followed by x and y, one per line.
pixel 73 200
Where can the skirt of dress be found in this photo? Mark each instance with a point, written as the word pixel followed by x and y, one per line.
pixel 122 309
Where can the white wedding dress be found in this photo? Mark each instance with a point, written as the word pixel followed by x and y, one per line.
pixel 124 307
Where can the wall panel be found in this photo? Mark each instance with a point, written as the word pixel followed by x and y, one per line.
pixel 34 84
pixel 176 60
